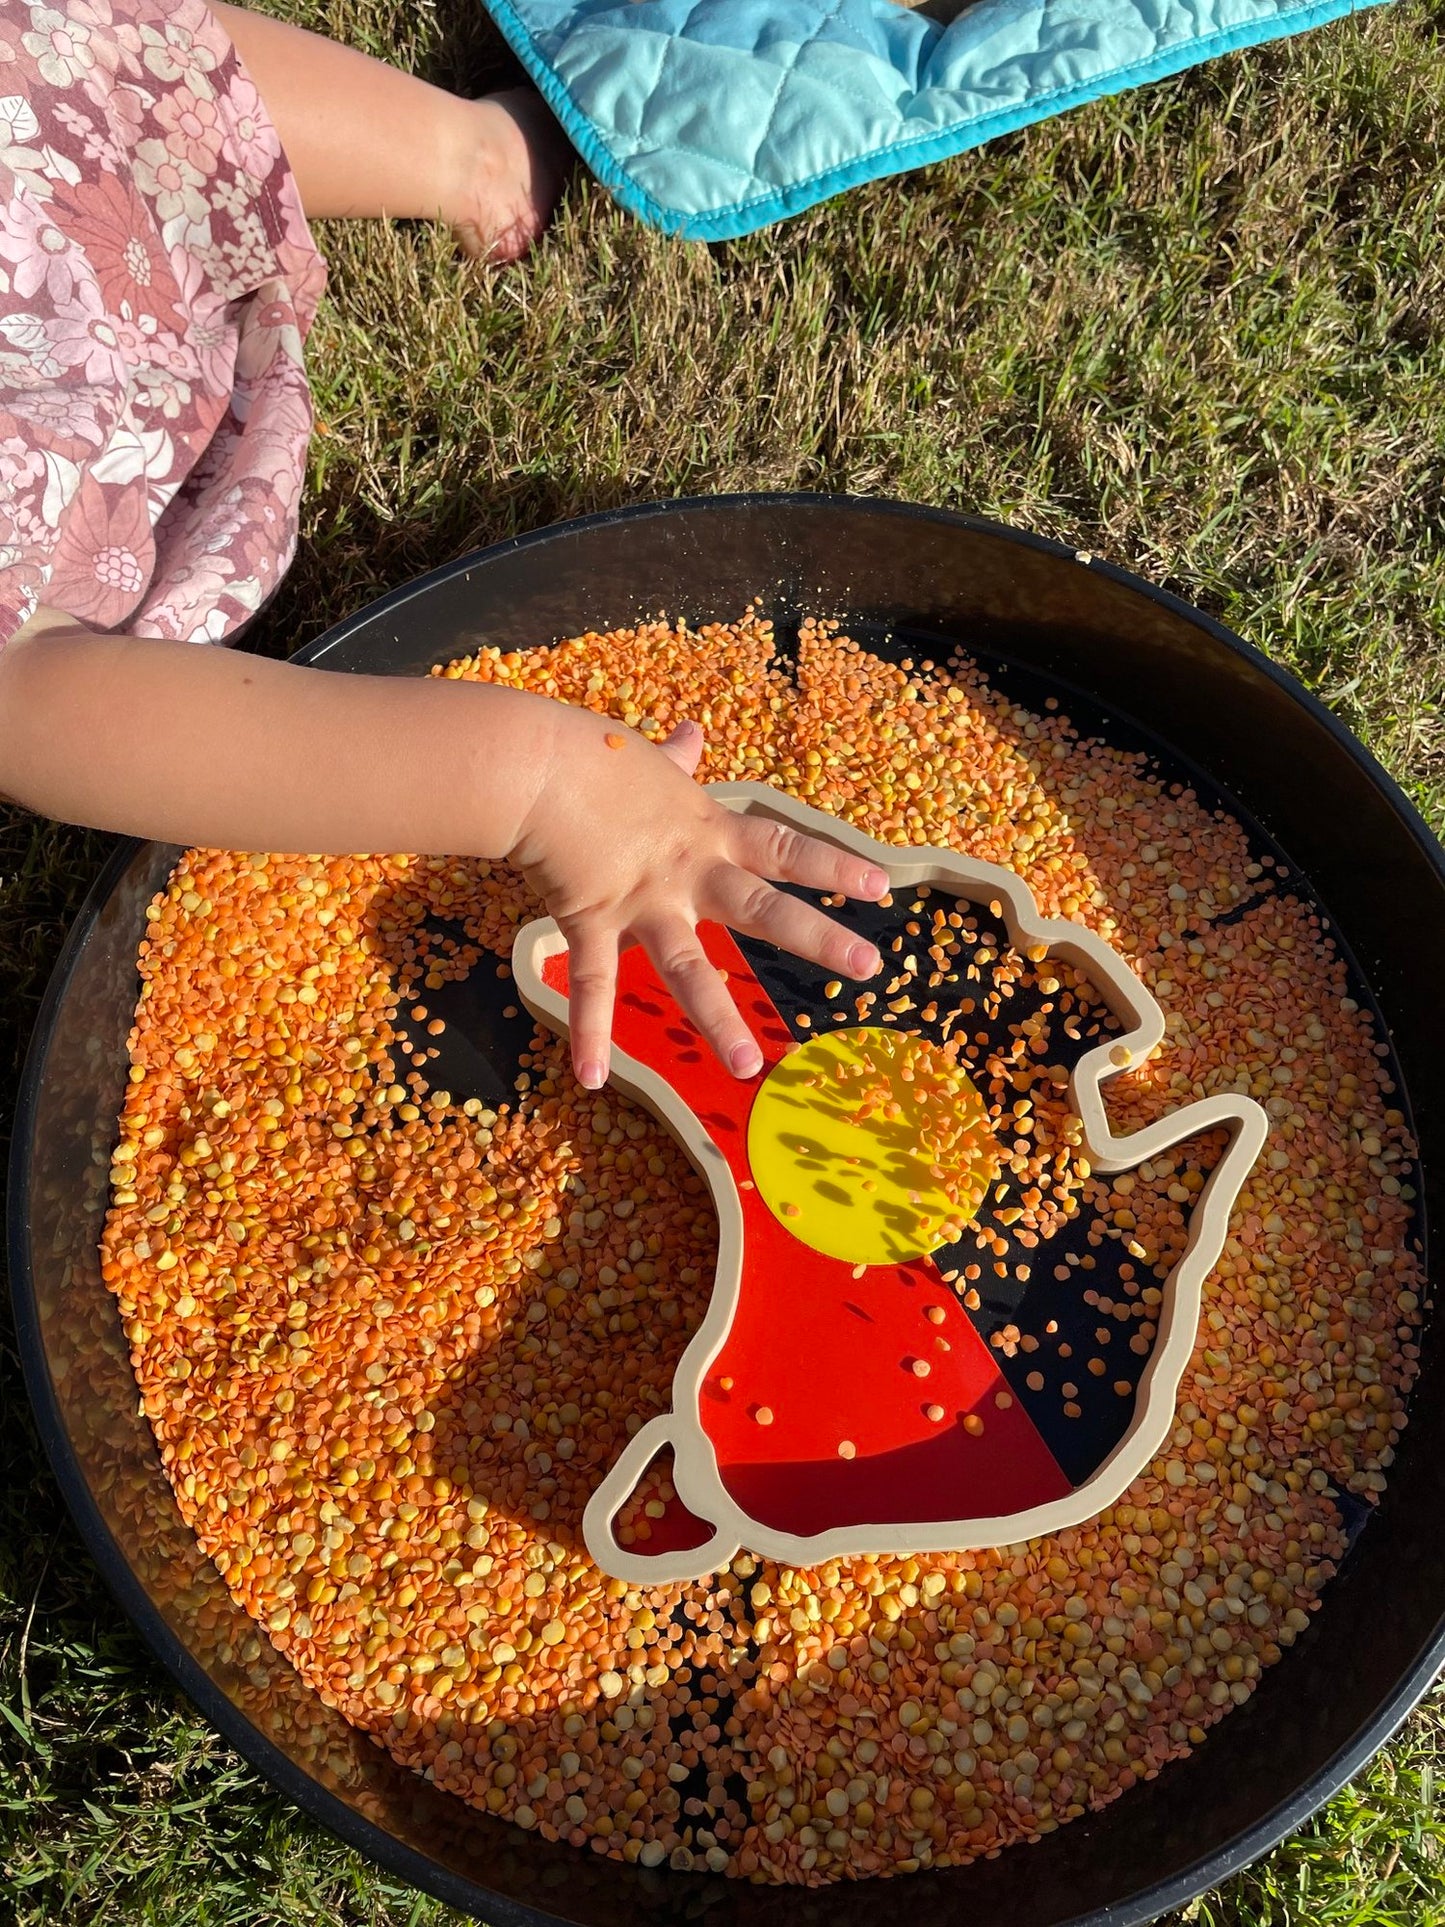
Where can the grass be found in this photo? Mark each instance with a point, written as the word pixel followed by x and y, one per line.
pixel 1199 330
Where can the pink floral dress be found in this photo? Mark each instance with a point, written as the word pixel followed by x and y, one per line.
pixel 157 282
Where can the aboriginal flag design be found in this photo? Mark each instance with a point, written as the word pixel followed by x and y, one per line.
pixel 903 1348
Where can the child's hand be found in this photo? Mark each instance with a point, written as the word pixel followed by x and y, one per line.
pixel 623 846
pixel 233 751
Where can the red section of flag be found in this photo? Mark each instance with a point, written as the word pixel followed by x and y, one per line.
pixel 678 1530
pixel 819 1361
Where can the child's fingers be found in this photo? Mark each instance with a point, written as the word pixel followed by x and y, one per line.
pixel 746 903
pixel 699 989
pixel 684 747
pixel 787 856
pixel 592 990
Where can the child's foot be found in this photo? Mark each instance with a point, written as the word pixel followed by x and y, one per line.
pixel 516 173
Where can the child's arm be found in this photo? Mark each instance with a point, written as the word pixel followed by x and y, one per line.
pixel 198 745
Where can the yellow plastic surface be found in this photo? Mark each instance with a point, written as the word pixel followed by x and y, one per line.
pixel 864 1189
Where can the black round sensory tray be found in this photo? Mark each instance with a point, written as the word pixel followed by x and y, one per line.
pixel 905 580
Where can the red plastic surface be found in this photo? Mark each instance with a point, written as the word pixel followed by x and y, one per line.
pixel 830 1356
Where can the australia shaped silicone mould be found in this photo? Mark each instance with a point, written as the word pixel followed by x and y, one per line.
pixel 920 1337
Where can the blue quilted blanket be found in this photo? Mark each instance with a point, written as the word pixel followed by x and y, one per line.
pixel 710 118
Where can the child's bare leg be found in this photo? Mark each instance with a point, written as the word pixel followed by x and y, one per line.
pixel 366 139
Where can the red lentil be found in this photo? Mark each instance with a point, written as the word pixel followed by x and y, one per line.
pixel 389 1343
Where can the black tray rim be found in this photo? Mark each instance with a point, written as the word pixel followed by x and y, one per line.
pixel 332 1812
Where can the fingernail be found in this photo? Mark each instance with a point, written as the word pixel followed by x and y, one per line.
pixel 875 883
pixel 746 1060
pixel 863 960
pixel 592 1075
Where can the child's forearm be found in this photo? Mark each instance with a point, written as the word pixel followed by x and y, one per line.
pixel 197 745
pixel 188 744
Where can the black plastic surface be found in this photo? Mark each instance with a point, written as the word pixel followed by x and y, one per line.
pixel 1380 1636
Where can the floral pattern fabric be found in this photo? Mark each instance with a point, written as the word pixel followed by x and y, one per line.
pixel 157 282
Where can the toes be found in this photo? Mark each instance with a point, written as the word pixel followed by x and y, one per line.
pixel 521 162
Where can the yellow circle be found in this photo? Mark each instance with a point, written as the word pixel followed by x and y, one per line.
pixel 870 1146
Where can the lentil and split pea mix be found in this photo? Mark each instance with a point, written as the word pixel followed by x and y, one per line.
pixel 390 1340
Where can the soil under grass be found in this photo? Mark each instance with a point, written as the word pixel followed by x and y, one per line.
pixel 1199 330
